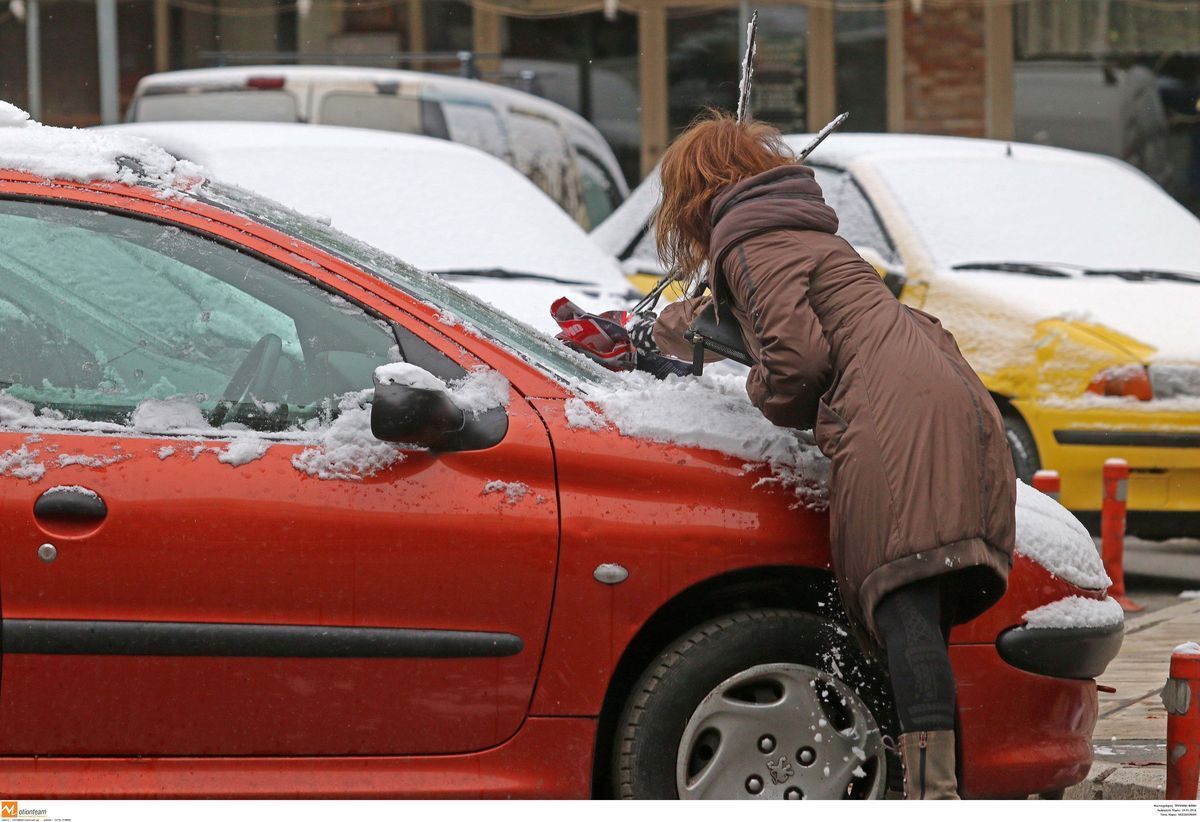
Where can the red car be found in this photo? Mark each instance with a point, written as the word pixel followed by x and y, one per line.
pixel 220 574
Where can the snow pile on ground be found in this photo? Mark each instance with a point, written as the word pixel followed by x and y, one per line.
pixel 1050 536
pixel 1076 612
pixel 513 492
pixel 713 412
pixel 481 390
pixel 346 449
pixel 86 155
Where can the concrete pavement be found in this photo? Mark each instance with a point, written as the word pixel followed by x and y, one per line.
pixel 1130 736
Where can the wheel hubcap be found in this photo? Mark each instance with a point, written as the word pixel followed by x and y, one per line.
pixel 781 731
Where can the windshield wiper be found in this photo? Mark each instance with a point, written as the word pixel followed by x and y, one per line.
pixel 1141 275
pixel 505 274
pixel 1035 269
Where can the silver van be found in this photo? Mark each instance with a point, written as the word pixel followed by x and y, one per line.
pixel 554 147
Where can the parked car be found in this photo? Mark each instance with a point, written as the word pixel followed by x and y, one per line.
pixel 1077 310
pixel 449 209
pixel 272 524
pixel 551 145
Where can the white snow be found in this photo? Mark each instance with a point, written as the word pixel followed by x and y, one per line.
pixel 243 449
pixel 71 489
pixel 714 412
pixel 438 205
pixel 21 463
pixel 168 415
pixel 402 373
pixel 165 452
pixel 481 390
pixel 87 155
pixel 1189 594
pixel 1076 612
pixel 1187 648
pixel 346 449
pixel 1050 536
pixel 580 415
pixel 513 492
pixel 89 460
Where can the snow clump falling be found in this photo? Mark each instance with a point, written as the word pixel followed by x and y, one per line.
pixel 86 155
pixel 713 412
pixel 1076 612
pixel 1049 535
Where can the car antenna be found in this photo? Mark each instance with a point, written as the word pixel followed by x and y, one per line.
pixel 743 106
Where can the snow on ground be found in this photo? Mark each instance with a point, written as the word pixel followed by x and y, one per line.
pixel 86 155
pixel 1050 536
pixel 711 412
pixel 1076 612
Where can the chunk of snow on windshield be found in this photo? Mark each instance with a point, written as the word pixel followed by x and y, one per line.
pixel 21 463
pixel 403 373
pixel 580 415
pixel 1050 535
pixel 167 415
pixel 346 449
pixel 71 489
pixel 714 412
pixel 513 492
pixel 243 449
pixel 1076 612
pixel 86 155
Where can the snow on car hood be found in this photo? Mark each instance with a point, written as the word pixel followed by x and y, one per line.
pixel 1157 313
pixel 440 206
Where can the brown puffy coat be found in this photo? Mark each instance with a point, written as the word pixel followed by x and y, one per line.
pixel 922 482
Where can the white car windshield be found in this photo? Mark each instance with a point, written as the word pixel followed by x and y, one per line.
pixel 456 306
pixel 1083 213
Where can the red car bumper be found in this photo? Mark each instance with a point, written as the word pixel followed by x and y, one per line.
pixel 1020 733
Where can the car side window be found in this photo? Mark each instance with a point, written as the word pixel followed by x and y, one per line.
pixel 478 125
pixel 600 193
pixel 540 153
pixel 109 318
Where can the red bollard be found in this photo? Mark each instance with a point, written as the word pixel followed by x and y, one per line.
pixel 1112 529
pixel 1181 697
pixel 1049 483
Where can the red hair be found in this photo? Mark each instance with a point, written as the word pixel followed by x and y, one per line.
pixel 714 152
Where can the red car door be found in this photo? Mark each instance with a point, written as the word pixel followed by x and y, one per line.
pixel 202 549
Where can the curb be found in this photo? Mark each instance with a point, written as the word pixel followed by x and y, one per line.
pixel 1111 781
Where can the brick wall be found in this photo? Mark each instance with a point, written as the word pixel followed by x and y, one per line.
pixel 944 70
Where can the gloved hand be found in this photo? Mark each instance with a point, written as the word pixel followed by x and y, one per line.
pixel 641 332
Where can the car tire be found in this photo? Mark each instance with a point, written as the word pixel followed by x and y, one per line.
pixel 668 744
pixel 1022 446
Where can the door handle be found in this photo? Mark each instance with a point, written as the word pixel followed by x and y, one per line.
pixel 70 503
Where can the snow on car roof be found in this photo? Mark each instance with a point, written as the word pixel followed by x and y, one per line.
pixel 87 156
pixel 840 150
pixel 440 206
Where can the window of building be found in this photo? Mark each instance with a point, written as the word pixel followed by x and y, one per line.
pixel 860 58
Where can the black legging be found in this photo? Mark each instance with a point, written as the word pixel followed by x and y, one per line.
pixel 915 624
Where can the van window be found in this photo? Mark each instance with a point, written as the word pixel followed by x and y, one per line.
pixel 476 125
pixel 254 105
pixel 540 153
pixel 600 193
pixel 385 112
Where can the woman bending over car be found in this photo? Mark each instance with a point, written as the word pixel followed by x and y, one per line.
pixel 922 491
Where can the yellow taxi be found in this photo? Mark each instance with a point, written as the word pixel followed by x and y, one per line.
pixel 1071 282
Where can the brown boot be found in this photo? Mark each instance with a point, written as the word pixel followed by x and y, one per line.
pixel 929 765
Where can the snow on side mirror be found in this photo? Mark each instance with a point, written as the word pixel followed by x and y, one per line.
pixel 413 407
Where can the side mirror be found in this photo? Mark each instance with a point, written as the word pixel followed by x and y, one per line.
pixel 429 418
pixel 893 276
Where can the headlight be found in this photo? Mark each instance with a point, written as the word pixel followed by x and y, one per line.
pixel 1123 381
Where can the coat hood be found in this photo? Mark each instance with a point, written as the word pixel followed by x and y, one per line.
pixel 785 197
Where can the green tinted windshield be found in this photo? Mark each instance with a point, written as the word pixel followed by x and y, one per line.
pixel 455 305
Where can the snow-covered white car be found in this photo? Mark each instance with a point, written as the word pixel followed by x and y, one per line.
pixel 553 146
pixel 1071 282
pixel 446 208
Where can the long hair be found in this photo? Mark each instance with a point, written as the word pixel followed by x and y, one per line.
pixel 715 151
